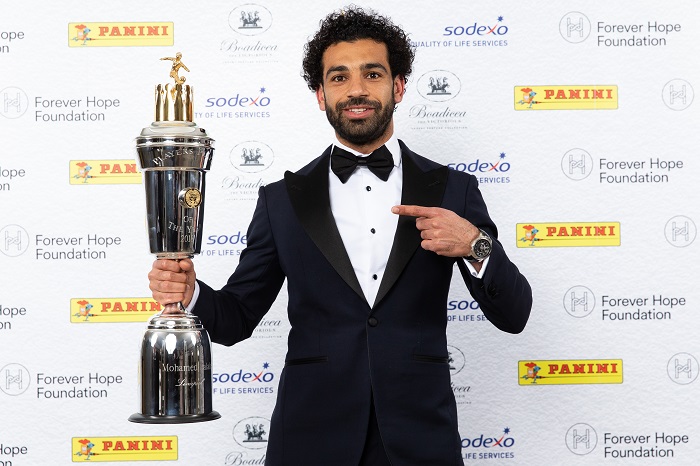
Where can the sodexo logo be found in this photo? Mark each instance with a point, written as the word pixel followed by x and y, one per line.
pixel 238 238
pixel 13 102
pixel 476 29
pixel 241 382
pixel 483 167
pixel 439 85
pixel 577 164
pixel 239 101
pixel 504 440
pixel 250 19
pixel 575 27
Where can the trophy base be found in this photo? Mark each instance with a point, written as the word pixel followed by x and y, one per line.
pixel 184 419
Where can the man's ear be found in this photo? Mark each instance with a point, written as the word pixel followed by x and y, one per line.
pixel 321 98
pixel 399 88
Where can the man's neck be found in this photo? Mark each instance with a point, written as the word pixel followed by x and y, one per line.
pixel 369 147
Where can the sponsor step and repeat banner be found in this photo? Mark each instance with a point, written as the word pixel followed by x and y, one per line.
pixel 579 120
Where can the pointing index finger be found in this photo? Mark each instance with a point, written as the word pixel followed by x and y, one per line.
pixel 414 210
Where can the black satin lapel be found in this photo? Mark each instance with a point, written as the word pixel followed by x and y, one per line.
pixel 419 188
pixel 311 202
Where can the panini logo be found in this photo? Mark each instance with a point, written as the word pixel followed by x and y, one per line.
pixel 104 172
pixel 595 97
pixel 563 235
pixel 569 372
pixel 110 310
pixel 120 34
pixel 106 449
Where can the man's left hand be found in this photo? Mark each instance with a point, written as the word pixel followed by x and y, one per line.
pixel 443 231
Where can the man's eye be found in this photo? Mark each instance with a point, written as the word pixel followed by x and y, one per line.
pixel 338 78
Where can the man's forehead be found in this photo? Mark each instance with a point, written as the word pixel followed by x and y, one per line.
pixel 361 50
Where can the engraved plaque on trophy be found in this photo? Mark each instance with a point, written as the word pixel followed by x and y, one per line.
pixel 175 154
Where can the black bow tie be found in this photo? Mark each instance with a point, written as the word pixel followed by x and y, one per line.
pixel 343 163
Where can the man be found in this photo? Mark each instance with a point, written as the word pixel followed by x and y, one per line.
pixel 366 379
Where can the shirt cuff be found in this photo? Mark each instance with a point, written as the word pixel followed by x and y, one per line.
pixel 195 295
pixel 472 270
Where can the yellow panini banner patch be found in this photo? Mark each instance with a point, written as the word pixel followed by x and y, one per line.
pixel 142 34
pixel 568 234
pixel 82 172
pixel 101 310
pixel 569 372
pixel 106 449
pixel 585 97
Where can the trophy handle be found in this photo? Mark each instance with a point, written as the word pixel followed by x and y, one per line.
pixel 174 309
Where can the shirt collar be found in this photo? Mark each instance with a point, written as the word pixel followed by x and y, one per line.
pixel 392 144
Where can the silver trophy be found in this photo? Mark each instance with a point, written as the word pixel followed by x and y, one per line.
pixel 175 154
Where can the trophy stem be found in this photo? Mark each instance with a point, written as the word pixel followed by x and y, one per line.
pixel 174 309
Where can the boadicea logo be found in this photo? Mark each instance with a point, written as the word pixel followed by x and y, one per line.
pixel 120 34
pixel 84 172
pixel 109 310
pixel 569 372
pixel 585 97
pixel 106 449
pixel 570 234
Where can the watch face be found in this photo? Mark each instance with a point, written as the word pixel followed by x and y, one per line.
pixel 482 248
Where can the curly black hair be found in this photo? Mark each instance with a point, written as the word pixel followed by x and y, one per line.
pixel 348 25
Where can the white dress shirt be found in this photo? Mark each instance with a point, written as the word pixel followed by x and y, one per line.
pixel 361 208
pixel 362 211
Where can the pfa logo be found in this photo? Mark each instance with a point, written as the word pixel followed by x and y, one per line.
pixel 14 379
pixel 13 102
pixel 581 439
pixel 577 164
pixel 574 27
pixel 682 368
pixel 439 85
pixel 250 19
pixel 579 301
pixel 680 231
pixel 678 94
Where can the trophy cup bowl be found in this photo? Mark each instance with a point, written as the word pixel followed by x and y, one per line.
pixel 175 365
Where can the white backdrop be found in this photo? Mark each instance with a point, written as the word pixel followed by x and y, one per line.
pixel 609 183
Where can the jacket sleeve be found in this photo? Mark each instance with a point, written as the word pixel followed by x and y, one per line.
pixel 231 314
pixel 503 293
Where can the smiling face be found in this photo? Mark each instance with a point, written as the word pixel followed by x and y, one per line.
pixel 358 93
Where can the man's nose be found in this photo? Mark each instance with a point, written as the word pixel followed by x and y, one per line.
pixel 357 87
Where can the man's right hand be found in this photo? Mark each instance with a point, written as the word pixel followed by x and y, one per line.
pixel 172 281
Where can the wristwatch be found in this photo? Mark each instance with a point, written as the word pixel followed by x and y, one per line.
pixel 481 248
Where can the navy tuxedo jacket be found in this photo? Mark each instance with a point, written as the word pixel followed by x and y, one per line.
pixel 343 351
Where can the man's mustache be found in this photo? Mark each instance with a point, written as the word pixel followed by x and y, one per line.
pixel 358 102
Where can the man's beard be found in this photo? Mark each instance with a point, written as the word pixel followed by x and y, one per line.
pixel 366 130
